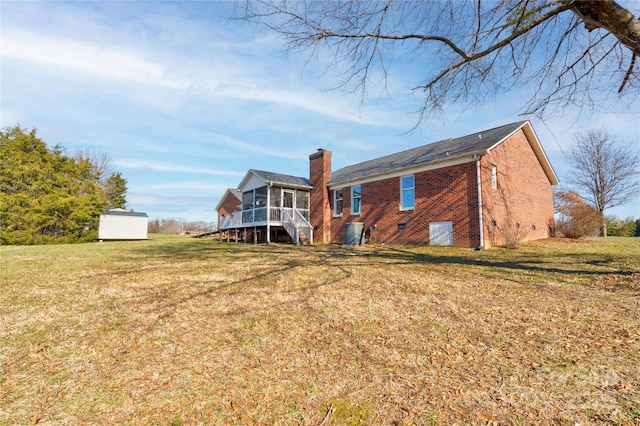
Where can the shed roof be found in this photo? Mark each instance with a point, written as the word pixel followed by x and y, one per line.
pixel 446 150
pixel 123 212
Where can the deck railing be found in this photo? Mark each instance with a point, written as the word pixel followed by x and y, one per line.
pixel 231 221
pixel 294 222
pixel 290 225
pixel 303 225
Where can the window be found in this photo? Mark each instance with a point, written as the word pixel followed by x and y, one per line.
pixel 407 193
pixel 356 198
pixel 494 177
pixel 337 202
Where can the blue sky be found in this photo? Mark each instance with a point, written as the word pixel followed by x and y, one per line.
pixel 185 101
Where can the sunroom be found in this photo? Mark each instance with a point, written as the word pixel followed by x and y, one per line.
pixel 274 208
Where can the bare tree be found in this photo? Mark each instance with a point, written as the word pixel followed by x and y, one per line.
pixel 100 160
pixel 604 171
pixel 568 51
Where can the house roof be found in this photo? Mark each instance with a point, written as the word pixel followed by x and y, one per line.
pixel 444 151
pixel 123 212
pixel 229 192
pixel 278 179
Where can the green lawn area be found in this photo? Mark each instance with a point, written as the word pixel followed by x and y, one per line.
pixel 176 330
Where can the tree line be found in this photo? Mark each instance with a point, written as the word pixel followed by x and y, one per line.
pixel 180 227
pixel 47 196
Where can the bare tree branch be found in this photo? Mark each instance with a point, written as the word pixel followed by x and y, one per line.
pixel 473 49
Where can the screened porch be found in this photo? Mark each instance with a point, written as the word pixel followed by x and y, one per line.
pixel 274 206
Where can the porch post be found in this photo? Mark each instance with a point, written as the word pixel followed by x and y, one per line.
pixel 268 213
pixel 255 235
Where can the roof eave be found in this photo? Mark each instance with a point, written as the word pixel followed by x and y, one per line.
pixel 288 184
pixel 227 192
pixel 451 161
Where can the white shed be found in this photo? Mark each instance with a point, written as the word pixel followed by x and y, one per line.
pixel 119 224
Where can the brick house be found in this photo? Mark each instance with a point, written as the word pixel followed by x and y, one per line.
pixel 478 190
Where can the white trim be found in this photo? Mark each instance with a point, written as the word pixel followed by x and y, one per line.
pixel 480 218
pixel 494 176
pixel 333 207
pixel 536 146
pixel 405 172
pixel 352 198
pixel 229 191
pixel 401 200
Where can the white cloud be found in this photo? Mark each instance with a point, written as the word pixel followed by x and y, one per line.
pixel 157 166
pixel 184 186
pixel 105 61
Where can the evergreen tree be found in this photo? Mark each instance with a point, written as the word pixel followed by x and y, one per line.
pixel 45 196
pixel 116 191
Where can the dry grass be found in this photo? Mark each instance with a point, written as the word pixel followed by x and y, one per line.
pixel 185 331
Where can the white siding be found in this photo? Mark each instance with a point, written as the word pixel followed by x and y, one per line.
pixel 253 183
pixel 122 227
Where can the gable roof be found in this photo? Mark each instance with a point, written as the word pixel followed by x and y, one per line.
pixel 230 191
pixel 271 178
pixel 123 212
pixel 448 150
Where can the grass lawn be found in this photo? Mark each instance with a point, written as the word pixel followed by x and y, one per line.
pixel 176 330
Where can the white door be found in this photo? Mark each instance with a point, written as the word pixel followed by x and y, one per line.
pixel 441 233
pixel 288 201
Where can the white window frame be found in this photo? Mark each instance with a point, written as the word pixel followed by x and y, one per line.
pixel 494 176
pixel 335 202
pixel 359 198
pixel 403 205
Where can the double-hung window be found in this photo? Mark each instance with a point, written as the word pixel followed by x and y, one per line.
pixel 407 193
pixel 337 202
pixel 356 199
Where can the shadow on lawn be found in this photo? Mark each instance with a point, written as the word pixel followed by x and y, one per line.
pixel 274 262
pixel 498 263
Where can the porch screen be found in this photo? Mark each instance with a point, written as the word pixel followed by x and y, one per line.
pixel 247 200
pixel 261 197
pixel 275 196
pixel 302 200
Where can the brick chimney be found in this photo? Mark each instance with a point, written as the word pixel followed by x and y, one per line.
pixel 320 206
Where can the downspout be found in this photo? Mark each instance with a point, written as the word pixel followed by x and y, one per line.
pixel 480 202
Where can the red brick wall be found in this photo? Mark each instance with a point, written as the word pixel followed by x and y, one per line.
pixel 523 197
pixel 447 194
pixel 320 207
